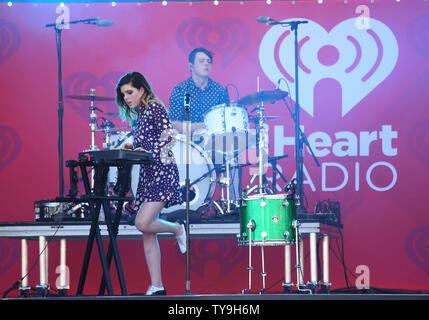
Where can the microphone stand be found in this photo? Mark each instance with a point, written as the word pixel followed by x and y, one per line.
pixel 58 29
pixel 187 182
pixel 299 136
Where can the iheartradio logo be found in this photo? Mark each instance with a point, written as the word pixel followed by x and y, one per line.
pixel 359 59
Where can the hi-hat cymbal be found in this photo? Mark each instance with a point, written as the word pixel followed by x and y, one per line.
pixel 90 97
pixel 262 97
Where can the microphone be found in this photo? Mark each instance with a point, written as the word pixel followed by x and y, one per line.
pixel 187 101
pixel 278 84
pixel 103 23
pixel 263 19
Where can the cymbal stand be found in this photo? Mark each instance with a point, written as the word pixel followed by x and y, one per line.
pixel 263 186
pixel 225 182
pixel 93 124
pixel 261 145
pixel 228 185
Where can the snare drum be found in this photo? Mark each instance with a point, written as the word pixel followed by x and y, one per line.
pixel 230 123
pixel 269 217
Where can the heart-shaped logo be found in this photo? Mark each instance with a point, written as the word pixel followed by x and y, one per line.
pixel 359 59
pixel 227 37
pixel 418 138
pixel 80 83
pixel 10 39
pixel 417 247
pixel 418 31
pixel 10 146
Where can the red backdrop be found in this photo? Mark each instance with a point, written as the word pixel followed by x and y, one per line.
pixel 363 96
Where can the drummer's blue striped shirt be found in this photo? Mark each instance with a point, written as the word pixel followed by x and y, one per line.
pixel 201 100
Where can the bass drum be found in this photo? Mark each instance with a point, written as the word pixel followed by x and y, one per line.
pixel 202 175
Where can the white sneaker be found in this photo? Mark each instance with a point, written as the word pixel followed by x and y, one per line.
pixel 156 291
pixel 181 240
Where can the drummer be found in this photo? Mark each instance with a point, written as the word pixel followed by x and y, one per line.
pixel 204 92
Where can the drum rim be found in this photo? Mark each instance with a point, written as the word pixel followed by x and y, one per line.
pixel 223 105
pixel 267 243
pixel 267 196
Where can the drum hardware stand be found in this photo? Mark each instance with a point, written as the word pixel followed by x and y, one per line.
pixel 263 273
pixel 263 185
pixel 251 225
pixel 225 183
pixel 266 185
pixel 93 117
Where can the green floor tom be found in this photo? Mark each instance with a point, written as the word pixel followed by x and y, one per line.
pixel 269 217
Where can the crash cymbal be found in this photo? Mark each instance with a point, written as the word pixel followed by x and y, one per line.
pixel 262 97
pixel 89 97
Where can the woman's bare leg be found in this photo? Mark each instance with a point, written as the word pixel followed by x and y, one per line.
pixel 147 223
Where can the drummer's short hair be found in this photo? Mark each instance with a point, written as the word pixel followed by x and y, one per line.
pixel 196 50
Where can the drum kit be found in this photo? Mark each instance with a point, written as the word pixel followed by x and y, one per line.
pixel 214 160
pixel 266 218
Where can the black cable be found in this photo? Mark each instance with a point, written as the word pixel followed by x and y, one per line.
pixel 304 200
pixel 18 282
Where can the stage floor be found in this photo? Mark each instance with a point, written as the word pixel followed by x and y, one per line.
pixel 240 297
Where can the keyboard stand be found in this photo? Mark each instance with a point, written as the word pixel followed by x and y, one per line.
pixel 98 199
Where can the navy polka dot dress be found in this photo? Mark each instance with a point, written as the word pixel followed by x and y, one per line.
pixel 158 182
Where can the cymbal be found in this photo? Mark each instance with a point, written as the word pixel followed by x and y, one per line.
pixel 89 97
pixel 262 97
